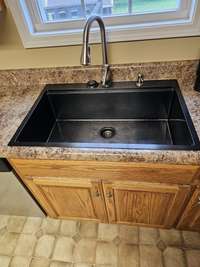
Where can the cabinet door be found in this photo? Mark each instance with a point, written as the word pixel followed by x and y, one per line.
pixel 157 205
pixel 72 198
pixel 191 216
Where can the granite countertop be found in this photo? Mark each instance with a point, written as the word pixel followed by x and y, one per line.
pixel 16 99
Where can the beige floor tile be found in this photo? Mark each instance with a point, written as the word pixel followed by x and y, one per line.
pixel 40 262
pixel 4 261
pixel 68 228
pixel 77 237
pixel 128 256
pixel 148 236
pixel 129 234
pixel 117 241
pixel 106 253
pixel 161 245
pixel 25 245
pixel 85 251
pixel 32 225
pixel 39 233
pixel 173 257
pixel 171 237
pixel 191 239
pixel 16 224
pixel 193 258
pixel 63 250
pixel 50 226
pixel 8 243
pixel 107 232
pixel 44 246
pixel 3 231
pixel 150 256
pixel 3 221
pixel 60 264
pixel 20 261
pixel 88 229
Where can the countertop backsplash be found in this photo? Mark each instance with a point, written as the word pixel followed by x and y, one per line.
pixel 183 71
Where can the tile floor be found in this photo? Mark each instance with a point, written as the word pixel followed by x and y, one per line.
pixel 37 242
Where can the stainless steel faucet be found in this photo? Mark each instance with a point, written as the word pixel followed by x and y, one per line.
pixel 85 57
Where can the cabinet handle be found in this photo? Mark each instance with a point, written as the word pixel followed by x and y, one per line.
pixel 109 194
pixel 97 194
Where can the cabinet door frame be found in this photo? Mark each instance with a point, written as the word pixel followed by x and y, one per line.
pixel 181 195
pixel 94 187
pixel 191 213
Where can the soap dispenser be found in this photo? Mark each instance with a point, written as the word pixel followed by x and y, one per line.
pixel 197 82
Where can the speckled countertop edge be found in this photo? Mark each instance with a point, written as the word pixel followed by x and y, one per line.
pixel 20 88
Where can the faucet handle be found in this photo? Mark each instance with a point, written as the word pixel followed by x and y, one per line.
pixel 92 84
pixel 140 80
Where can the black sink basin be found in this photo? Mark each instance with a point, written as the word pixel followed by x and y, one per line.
pixel 152 117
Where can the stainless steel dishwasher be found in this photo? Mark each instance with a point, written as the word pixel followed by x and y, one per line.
pixel 15 199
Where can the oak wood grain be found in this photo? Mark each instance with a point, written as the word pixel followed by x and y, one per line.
pixel 166 173
pixel 2 5
pixel 72 199
pixel 38 194
pixel 117 192
pixel 190 219
pixel 140 203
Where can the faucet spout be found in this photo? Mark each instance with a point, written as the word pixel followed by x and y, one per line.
pixel 85 57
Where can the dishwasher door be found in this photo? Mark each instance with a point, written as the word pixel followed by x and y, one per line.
pixel 14 197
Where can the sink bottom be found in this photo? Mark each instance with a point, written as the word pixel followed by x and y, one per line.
pixel 77 132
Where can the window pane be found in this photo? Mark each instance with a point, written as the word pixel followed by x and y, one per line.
pixel 60 10
pixel 120 7
pixel 100 7
pixel 141 6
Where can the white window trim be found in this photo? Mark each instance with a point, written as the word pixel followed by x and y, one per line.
pixel 166 25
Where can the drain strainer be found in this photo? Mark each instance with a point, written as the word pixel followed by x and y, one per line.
pixel 107 132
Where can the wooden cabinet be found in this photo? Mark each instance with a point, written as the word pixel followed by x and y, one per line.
pixel 70 198
pixel 157 205
pixel 141 172
pixel 2 5
pixel 143 194
pixel 190 219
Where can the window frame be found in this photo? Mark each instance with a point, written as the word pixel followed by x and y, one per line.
pixel 158 25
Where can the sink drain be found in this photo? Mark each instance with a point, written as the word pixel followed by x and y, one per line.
pixel 107 132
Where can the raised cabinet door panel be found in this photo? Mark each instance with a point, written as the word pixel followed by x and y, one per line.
pixel 72 198
pixel 190 218
pixel 144 203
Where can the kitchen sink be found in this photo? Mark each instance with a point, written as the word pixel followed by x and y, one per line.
pixel 123 116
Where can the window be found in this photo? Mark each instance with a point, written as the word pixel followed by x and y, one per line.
pixel 68 10
pixel 60 22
